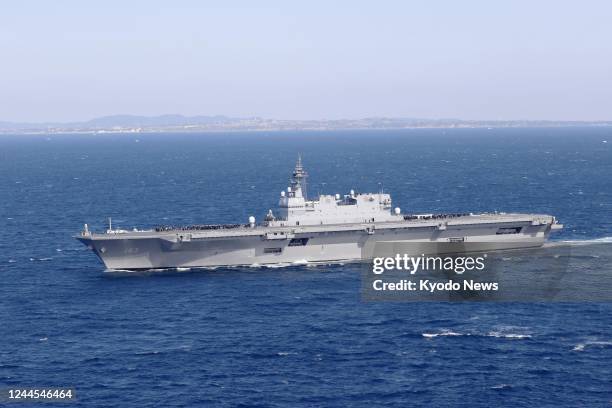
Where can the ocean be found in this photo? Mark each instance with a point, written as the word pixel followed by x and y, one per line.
pixel 294 335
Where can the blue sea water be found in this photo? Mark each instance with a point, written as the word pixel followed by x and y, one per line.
pixel 299 335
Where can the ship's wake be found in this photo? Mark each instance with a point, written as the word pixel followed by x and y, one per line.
pixel 579 242
pixel 298 264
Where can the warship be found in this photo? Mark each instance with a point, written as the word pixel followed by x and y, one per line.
pixel 329 229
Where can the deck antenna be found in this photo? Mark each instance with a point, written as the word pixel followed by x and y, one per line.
pixel 110 224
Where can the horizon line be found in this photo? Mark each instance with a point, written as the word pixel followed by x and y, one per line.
pixel 264 118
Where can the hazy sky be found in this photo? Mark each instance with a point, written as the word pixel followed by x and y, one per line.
pixel 73 60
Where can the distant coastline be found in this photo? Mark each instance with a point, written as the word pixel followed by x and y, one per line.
pixel 190 124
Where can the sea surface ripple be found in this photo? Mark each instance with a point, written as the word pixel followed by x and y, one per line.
pixel 297 335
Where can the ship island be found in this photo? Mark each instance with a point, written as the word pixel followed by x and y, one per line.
pixel 329 229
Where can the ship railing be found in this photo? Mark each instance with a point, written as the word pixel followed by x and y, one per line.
pixel 198 227
pixel 411 217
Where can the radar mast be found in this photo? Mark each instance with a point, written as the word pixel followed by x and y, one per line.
pixel 298 178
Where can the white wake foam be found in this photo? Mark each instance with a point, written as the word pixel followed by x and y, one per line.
pixel 582 346
pixel 594 241
pixel 442 333
pixel 501 386
pixel 517 336
pixel 496 334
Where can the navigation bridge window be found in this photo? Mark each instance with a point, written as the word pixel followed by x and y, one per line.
pixel 298 242
pixel 513 230
pixel 348 200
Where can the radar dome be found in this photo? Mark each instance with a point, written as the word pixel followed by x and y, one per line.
pixel 397 211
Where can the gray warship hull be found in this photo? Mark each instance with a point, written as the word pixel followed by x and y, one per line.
pixel 331 228
pixel 261 245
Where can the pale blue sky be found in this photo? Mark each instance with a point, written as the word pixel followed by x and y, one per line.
pixel 73 60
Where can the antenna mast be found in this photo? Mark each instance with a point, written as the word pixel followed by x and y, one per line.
pixel 298 179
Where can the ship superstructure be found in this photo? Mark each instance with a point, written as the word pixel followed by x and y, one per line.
pixel 331 228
